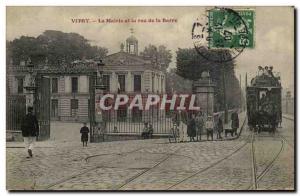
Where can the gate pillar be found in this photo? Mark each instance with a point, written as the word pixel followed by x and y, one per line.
pixel 204 90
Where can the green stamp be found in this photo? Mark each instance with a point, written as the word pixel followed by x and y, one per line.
pixel 229 28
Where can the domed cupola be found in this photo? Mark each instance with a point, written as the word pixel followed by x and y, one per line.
pixel 132 44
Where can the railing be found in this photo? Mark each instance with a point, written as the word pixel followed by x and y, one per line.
pixel 134 122
pixel 124 122
pixel 15 111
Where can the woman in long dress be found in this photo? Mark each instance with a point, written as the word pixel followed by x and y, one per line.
pixel 182 128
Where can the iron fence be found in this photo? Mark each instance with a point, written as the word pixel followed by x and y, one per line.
pixel 133 121
pixel 15 111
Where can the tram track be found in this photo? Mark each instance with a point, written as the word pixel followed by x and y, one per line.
pixel 248 140
pixel 146 170
pixel 217 162
pixel 173 154
pixel 91 169
pixel 256 178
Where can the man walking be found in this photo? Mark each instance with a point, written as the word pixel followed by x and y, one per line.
pixel 30 130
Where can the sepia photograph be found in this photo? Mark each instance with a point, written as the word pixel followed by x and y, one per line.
pixel 141 98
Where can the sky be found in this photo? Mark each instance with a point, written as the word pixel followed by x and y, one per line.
pixel 273 32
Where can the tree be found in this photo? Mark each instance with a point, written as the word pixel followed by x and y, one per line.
pixel 190 65
pixel 160 55
pixel 26 47
pixel 56 46
pixel 174 82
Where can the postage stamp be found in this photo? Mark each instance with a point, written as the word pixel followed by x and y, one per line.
pixel 223 29
pixel 228 28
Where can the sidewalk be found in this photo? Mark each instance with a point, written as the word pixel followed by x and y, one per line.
pixel 289 116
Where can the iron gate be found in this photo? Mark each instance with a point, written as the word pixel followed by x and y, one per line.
pixel 15 111
pixel 42 103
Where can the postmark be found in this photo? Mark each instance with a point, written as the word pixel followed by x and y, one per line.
pixel 223 34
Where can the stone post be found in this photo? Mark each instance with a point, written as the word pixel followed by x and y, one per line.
pixel 204 90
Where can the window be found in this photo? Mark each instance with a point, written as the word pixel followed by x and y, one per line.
pixel 20 82
pixel 131 48
pixel 74 85
pixel 54 84
pixel 74 107
pixel 152 83
pixel 54 108
pixel 106 82
pixel 121 85
pixel 137 83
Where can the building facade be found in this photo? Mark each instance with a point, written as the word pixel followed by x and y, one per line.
pixel 70 85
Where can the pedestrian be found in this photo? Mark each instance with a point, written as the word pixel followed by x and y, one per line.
pixel 209 125
pixel 191 129
pixel 199 125
pixel 235 122
pixel 84 134
pixel 182 128
pixel 30 130
pixel 219 127
pixel 175 119
pixel 145 131
pixel 150 131
pixel 175 131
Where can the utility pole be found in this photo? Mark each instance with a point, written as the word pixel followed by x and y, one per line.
pixel 241 105
pixel 225 96
pixel 246 84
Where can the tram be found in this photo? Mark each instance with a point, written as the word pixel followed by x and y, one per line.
pixel 264 101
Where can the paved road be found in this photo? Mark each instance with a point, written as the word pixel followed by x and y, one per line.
pixel 154 164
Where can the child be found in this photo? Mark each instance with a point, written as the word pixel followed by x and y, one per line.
pixel 209 125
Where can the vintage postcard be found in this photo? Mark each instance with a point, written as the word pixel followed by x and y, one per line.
pixel 150 98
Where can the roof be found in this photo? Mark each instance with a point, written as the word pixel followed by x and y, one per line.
pixel 131 39
pixel 265 81
pixel 124 58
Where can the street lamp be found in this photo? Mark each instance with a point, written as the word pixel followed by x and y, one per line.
pixel 99 86
pixel 31 87
pixel 99 79
pixel 225 96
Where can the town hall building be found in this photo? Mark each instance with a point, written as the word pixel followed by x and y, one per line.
pixel 70 85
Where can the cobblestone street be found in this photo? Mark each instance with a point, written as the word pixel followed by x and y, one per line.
pixel 156 164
